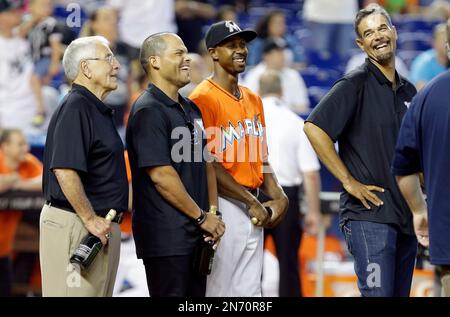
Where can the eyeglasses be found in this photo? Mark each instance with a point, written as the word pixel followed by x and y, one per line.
pixel 110 59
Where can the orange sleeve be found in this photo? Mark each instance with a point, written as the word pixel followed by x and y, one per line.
pixel 32 167
pixel 127 166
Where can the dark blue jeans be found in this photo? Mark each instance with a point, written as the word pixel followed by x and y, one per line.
pixel 384 258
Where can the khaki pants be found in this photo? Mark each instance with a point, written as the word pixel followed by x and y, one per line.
pixel 60 234
pixel 445 281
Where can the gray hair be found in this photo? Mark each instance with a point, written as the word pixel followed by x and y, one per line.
pixel 154 45
pixel 79 49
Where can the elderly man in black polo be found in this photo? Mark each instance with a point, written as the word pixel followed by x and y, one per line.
pixel 84 175
pixel 173 186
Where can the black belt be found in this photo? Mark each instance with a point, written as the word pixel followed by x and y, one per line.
pixel 117 219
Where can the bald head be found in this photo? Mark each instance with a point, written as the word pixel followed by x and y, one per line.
pixel 270 84
pixel 154 45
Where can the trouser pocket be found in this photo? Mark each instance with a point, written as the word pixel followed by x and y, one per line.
pixel 347 232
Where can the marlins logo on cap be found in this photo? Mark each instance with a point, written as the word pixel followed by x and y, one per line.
pixel 220 31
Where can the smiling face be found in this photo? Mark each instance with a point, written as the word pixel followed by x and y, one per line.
pixel 377 38
pixel 173 64
pixel 231 55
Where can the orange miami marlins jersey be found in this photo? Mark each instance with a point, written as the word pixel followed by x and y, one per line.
pixel 235 129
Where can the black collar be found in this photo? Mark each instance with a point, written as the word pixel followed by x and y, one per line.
pixel 380 76
pixel 166 100
pixel 161 96
pixel 88 94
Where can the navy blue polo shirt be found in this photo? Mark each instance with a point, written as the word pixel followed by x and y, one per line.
pixel 424 145
pixel 82 136
pixel 363 113
pixel 163 132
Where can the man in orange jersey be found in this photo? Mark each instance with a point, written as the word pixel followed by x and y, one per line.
pixel 234 120
pixel 19 170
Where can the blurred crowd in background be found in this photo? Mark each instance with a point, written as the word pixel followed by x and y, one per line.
pixel 311 43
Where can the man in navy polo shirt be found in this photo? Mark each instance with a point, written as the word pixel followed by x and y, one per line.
pixel 173 186
pixel 423 146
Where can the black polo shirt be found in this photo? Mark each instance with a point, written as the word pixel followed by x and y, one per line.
pixel 81 136
pixel 154 139
pixel 363 114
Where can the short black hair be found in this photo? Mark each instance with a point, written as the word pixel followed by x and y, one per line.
pixel 154 45
pixel 372 8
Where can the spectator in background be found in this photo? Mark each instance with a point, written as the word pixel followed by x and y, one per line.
pixel 331 24
pixel 273 26
pixel 432 62
pixel 191 17
pixel 295 164
pixel 203 52
pixel 295 93
pixel 397 6
pixel 239 6
pixel 439 9
pixel 199 72
pixel 103 22
pixel 45 37
pixel 20 89
pixel 227 13
pixel 19 170
pixel 138 19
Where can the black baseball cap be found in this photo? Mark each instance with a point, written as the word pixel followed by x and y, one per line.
pixel 220 31
pixel 6 5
